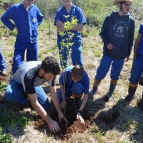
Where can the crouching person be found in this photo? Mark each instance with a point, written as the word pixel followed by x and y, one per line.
pixel 27 80
pixel 74 81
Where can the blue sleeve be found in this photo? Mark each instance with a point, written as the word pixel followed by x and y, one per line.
pixel 104 31
pixel 86 84
pixel 81 18
pixel 9 14
pixel 57 17
pixel 131 36
pixel 40 17
pixel 141 29
pixel 61 79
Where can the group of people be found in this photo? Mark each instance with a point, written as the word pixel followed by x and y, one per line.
pixel 25 88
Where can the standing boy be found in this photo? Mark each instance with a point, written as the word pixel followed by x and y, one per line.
pixel 117 34
pixel 26 18
pixel 74 81
pixel 64 14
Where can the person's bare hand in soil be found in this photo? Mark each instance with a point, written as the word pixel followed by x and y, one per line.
pixel 53 126
pixel 79 117
pixel 61 116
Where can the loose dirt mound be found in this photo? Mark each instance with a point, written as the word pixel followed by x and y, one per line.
pixel 74 126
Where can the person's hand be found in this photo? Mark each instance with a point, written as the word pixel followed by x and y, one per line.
pixel 110 47
pixel 79 117
pixel 63 104
pixel 127 58
pixel 59 23
pixel 16 30
pixel 54 126
pixel 61 116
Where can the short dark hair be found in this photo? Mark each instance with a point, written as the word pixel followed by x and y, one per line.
pixel 50 65
pixel 77 72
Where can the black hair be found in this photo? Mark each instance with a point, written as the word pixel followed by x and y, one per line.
pixel 50 65
pixel 77 72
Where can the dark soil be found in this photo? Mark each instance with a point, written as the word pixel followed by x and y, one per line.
pixel 74 126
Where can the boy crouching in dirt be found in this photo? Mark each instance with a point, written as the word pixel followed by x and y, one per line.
pixel 74 81
pixel 25 87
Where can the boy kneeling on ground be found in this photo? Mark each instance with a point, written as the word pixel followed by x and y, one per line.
pixel 74 81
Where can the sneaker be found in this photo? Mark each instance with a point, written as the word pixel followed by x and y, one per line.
pixel 3 73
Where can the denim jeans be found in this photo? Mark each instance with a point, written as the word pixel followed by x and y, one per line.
pixel 106 62
pixel 14 93
pixel 19 52
pixel 76 55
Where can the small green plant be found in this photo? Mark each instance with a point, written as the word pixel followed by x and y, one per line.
pixel 132 124
pixel 4 138
pixel 67 37
pixel 3 86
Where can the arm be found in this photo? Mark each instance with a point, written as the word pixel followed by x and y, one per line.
pixel 130 37
pixel 56 102
pixel 78 27
pixel 84 102
pixel 104 31
pixel 136 44
pixel 63 97
pixel 78 115
pixel 40 110
pixel 9 14
pixel 40 17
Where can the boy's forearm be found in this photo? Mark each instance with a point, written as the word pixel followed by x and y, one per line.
pixel 78 27
pixel 55 100
pixel 63 92
pixel 84 102
pixel 40 110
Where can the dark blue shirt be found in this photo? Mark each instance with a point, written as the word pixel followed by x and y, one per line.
pixel 68 80
pixel 119 31
pixel 75 12
pixel 26 22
